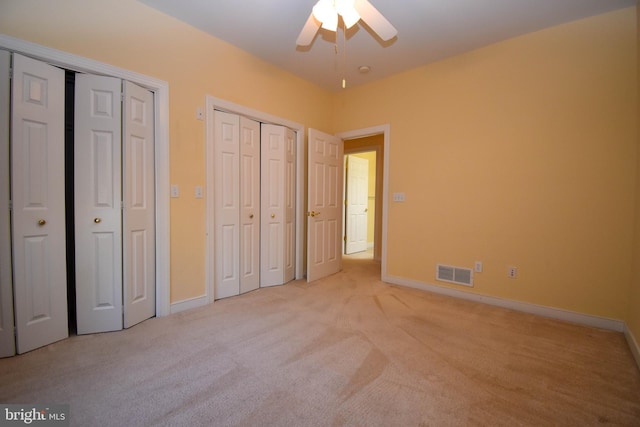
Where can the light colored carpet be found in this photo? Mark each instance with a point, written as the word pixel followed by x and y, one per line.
pixel 346 350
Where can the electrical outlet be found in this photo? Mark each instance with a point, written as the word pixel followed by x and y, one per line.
pixel 478 267
pixel 512 272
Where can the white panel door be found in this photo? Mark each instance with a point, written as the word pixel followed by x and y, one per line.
pixel 39 257
pixel 7 336
pixel 289 205
pixel 324 228
pixel 249 257
pixel 227 204
pixel 98 196
pixel 357 204
pixel 139 251
pixel 273 171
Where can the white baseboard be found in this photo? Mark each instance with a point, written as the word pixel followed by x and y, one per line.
pixel 187 304
pixel 633 344
pixel 554 313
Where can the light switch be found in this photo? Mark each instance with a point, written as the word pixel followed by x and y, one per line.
pixel 175 192
pixel 198 192
pixel 399 197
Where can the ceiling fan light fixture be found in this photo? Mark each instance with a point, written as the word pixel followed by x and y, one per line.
pixel 349 14
pixel 323 10
pixel 327 11
pixel 331 22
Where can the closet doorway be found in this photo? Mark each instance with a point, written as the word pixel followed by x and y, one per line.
pixel 38 247
pixel 254 196
pixel 281 214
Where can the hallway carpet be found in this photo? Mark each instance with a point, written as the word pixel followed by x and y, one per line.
pixel 347 350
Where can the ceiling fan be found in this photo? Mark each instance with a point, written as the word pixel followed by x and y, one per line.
pixel 325 14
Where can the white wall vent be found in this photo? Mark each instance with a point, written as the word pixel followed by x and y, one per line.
pixel 458 275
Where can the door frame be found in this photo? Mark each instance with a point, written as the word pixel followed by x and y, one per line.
pixel 160 89
pixel 213 103
pixel 385 130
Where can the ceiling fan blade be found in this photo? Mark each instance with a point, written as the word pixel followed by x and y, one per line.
pixel 375 20
pixel 308 32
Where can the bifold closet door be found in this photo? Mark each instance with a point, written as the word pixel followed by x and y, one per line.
pixel 237 204
pixel 249 205
pixel 114 204
pixel 38 190
pixel 278 205
pixel 98 197
pixel 7 335
pixel 138 221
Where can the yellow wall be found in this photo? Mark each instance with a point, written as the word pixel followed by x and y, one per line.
pixel 128 34
pixel 522 153
pixel 633 317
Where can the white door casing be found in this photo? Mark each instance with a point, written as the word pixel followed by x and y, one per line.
pixel 249 205
pixel 227 204
pixel 7 336
pixel 37 157
pixel 357 201
pixel 277 241
pixel 324 213
pixel 98 197
pixel 139 237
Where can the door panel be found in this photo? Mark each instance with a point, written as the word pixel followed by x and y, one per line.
pixel 139 205
pixel 325 205
pixel 37 157
pixel 357 204
pixel 273 205
pixel 7 336
pixel 289 205
pixel 227 204
pixel 98 195
pixel 249 205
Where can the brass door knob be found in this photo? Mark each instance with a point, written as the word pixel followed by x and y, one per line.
pixel 273 215
pixel 251 216
pixel 41 222
pixel 97 220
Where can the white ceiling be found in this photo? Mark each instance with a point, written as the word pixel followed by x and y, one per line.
pixel 428 30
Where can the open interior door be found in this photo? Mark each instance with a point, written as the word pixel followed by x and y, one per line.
pixel 324 214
